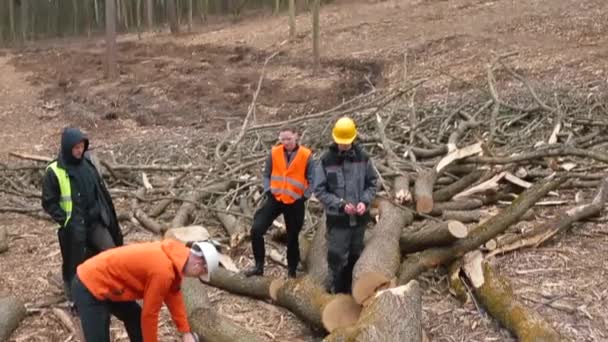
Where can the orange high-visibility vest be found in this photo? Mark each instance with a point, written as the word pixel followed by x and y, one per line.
pixel 288 184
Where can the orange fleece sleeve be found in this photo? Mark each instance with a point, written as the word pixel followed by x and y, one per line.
pixel 177 307
pixel 156 290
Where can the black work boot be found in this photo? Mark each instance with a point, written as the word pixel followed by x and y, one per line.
pixel 291 273
pixel 256 270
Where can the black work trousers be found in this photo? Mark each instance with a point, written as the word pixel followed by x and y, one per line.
pixel 344 246
pixel 95 315
pixel 262 220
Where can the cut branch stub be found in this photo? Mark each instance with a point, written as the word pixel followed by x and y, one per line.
pixel 423 190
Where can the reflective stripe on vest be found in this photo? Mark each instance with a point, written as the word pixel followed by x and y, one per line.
pixel 65 190
pixel 288 184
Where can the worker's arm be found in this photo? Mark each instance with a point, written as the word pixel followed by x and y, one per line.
pixel 177 308
pixel 371 184
pixel 51 197
pixel 155 292
pixel 267 172
pixel 329 199
pixel 310 176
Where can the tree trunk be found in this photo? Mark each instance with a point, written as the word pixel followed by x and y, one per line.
pixel 307 300
pixel 446 192
pixel 416 263
pixel 12 311
pixel 459 204
pixel 172 14
pixel 379 262
pixel 11 17
pixel 255 287
pixel 87 18
pixel 204 319
pixel 3 240
pixel 423 190
pixel 125 14
pixel 149 14
pixel 277 7
pixel 316 259
pixel 24 21
pixel 315 36
pixel 292 19
pixel 434 235
pixel 235 226
pixel 392 315
pixel 111 67
pixel 190 11
pixel 463 216
pixel 494 292
pixel 138 15
pixel 75 17
pixel 96 8
pixel 204 9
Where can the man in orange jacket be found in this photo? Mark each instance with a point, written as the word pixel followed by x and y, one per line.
pixel 110 282
pixel 288 182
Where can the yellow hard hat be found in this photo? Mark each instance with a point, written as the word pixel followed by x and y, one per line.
pixel 344 131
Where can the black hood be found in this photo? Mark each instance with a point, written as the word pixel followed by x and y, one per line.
pixel 69 138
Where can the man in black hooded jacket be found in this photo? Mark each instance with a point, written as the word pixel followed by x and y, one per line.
pixel 75 196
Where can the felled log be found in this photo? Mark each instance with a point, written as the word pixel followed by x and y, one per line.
pixel 12 311
pixel 423 190
pixel 311 303
pixel 183 213
pixel 379 262
pixel 394 315
pixel 464 216
pixel 316 259
pixel 149 223
pixel 494 292
pixel 401 188
pixel 545 230
pixel 186 234
pixel 459 204
pixel 446 192
pixel 433 235
pixel 206 321
pixel 235 226
pixel 3 239
pixel 255 287
pixel 416 263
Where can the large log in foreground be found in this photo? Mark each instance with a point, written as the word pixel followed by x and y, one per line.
pixel 206 322
pixel 494 292
pixel 393 315
pixel 379 262
pixel 12 311
pixel 416 263
pixel 307 300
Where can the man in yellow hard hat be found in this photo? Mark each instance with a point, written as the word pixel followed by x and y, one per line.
pixel 345 184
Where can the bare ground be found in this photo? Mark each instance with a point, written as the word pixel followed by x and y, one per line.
pixel 202 83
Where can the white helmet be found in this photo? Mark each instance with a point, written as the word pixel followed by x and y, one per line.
pixel 207 251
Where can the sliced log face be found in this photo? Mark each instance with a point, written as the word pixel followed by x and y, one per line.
pixel 494 292
pixel 393 315
pixel 401 188
pixel 341 312
pixel 433 235
pixel 204 319
pixel 380 259
pixel 12 311
pixel 3 239
pixel 423 190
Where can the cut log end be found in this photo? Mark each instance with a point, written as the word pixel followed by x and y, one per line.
pixel 341 312
pixel 275 286
pixel 424 205
pixel 368 284
pixel 458 229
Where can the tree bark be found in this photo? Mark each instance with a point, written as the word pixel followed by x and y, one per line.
pixel 172 14
pixel 277 7
pixel 316 260
pixel 460 204
pixel 11 17
pixel 190 13
pixel 111 67
pixel 204 319
pixel 255 287
pixel 462 216
pixel 235 226
pixel 433 235
pixel 292 19
pixel 496 295
pixel 416 263
pixel 24 19
pixel 446 193
pixel 392 315
pixel 12 311
pixel 96 8
pixel 401 188
pixel 149 14
pixel 379 262
pixel 423 190
pixel 3 240
pixel 75 16
pixel 315 36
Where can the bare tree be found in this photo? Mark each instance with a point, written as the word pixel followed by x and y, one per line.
pixel 315 35
pixel 149 14
pixel 24 5
pixel 11 15
pixel 190 10
pixel 277 6
pixel 111 67
pixel 292 19
pixel 172 14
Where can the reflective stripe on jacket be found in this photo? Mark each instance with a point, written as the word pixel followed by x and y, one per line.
pixel 65 189
pixel 288 183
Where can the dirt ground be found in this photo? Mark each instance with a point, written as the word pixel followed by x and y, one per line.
pixel 202 84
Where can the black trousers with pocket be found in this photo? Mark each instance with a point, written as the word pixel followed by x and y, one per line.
pixel 344 247
pixel 95 315
pixel 262 220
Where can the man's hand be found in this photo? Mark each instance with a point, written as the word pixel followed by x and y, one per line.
pixel 361 208
pixel 350 209
pixel 189 337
